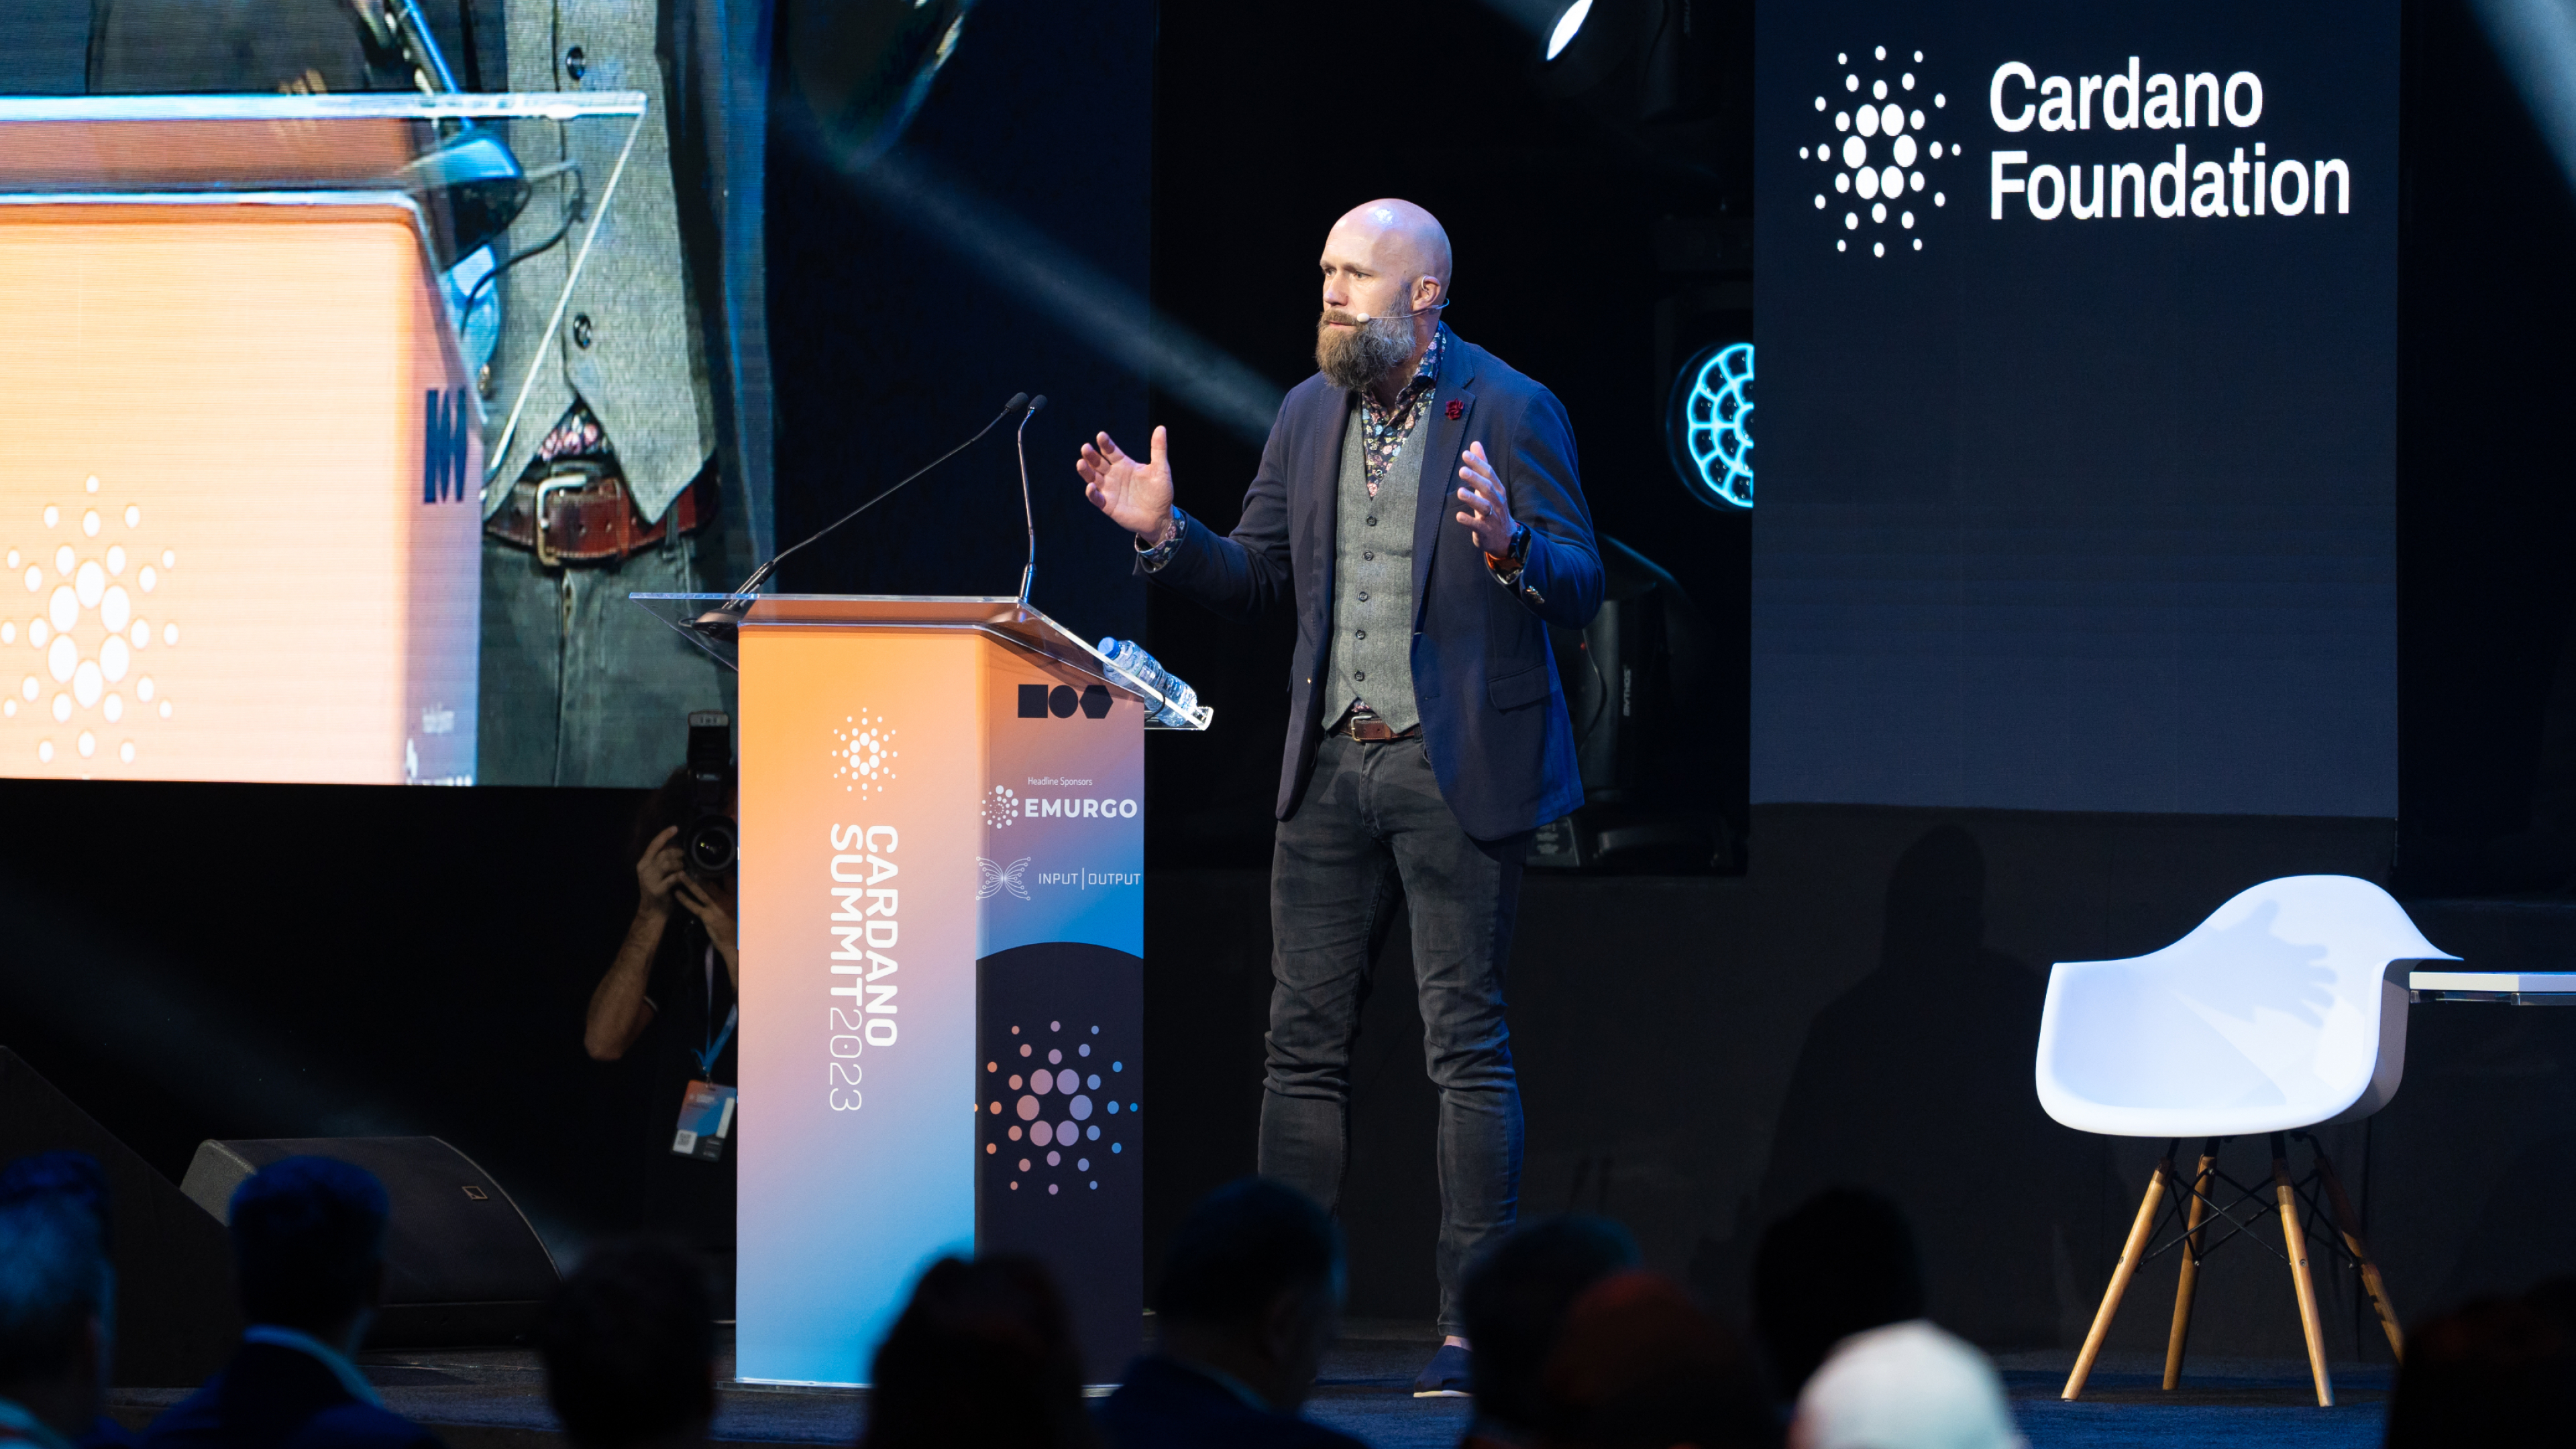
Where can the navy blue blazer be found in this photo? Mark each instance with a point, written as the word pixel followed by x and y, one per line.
pixel 1163 1405
pixel 1493 713
pixel 272 1397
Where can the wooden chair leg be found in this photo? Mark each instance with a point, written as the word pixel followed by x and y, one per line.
pixel 2139 1232
pixel 2294 1240
pixel 2190 1279
pixel 2348 1223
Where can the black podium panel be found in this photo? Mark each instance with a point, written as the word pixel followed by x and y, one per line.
pixel 1061 1032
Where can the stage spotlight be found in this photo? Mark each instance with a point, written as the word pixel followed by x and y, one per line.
pixel 1589 46
pixel 1571 21
pixel 1705 429
pixel 861 68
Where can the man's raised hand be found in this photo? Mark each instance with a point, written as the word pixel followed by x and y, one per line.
pixel 1488 514
pixel 1137 496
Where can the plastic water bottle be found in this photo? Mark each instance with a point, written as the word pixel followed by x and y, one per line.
pixel 1130 658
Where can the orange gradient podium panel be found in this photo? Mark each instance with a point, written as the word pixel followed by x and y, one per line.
pixel 942 917
pixel 237 507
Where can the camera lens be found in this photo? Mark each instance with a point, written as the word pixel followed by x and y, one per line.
pixel 711 845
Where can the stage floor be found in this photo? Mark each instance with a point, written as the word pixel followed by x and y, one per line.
pixel 495 1399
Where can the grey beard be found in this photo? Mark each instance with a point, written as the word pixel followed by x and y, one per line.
pixel 1356 358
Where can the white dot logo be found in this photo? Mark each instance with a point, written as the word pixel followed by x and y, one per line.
pixel 87 628
pixel 1001 807
pixel 1882 163
pixel 863 753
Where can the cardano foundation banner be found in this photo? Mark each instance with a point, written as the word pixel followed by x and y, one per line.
pixel 2078 333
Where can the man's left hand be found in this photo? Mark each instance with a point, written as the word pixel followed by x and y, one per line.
pixel 1488 514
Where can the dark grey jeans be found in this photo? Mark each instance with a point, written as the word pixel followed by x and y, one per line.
pixel 1371 831
pixel 581 686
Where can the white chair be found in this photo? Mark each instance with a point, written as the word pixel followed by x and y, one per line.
pixel 2285 1010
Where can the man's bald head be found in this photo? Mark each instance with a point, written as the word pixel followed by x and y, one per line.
pixel 1386 272
pixel 1407 238
pixel 1401 237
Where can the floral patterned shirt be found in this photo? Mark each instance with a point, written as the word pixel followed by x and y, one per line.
pixel 1384 429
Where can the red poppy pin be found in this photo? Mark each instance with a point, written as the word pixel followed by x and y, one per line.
pixel 1457 410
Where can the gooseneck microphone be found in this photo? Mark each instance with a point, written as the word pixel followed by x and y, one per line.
pixel 736 601
pixel 1028 510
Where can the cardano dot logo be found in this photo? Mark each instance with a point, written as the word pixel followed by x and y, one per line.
pixel 94 615
pixel 1878 170
pixel 1001 807
pixel 1053 1104
pixel 863 753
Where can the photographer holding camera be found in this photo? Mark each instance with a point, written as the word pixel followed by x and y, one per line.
pixel 675 980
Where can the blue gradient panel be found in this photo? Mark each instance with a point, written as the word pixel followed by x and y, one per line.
pixel 1063 816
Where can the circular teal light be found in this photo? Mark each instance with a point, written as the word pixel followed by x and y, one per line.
pixel 1707 436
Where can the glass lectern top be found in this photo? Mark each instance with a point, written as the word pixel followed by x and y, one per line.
pixel 713 622
pixel 66 145
pixel 491 182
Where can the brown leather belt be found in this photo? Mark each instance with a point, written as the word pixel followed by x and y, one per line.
pixel 580 513
pixel 1372 730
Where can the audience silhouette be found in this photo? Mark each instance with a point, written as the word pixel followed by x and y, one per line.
pixel 74 1181
pixel 1909 1385
pixel 983 1357
pixel 1515 1300
pixel 629 1344
pixel 2498 1373
pixel 308 1238
pixel 1251 1296
pixel 1577 1346
pixel 1639 1364
pixel 1840 1263
pixel 57 1303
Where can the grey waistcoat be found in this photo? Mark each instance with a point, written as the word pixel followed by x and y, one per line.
pixel 1372 653
pixel 643 371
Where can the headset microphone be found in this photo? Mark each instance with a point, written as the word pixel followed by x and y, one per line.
pixel 1366 319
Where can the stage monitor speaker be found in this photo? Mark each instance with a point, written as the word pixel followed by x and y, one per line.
pixel 462 1265
pixel 1635 681
pixel 175 1320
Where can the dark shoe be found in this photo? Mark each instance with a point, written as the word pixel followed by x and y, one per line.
pixel 1446 1375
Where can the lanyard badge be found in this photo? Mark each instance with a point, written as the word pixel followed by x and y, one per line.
pixel 706 1109
pixel 706 1119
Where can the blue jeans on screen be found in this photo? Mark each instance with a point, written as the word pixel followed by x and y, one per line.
pixel 1370 832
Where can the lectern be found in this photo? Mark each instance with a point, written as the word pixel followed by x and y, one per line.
pixel 942 926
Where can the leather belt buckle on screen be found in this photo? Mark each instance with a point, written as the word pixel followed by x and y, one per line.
pixel 580 513
pixel 1372 730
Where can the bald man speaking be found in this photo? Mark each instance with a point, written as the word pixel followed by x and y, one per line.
pixel 1417 506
